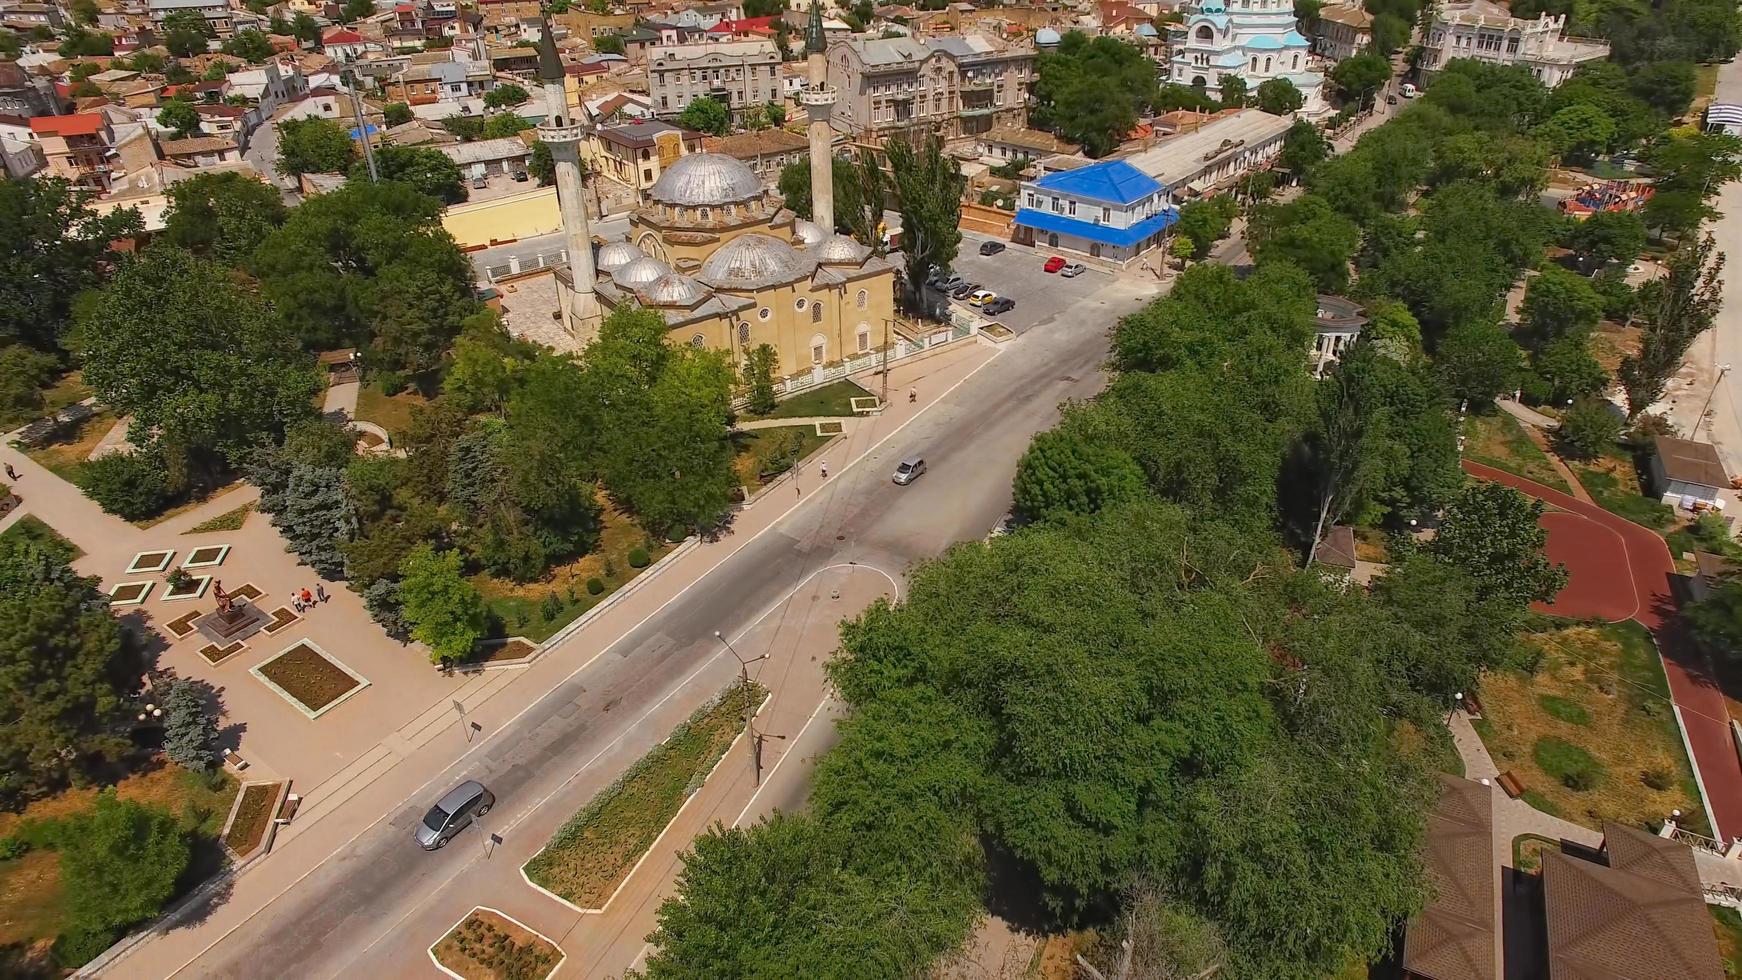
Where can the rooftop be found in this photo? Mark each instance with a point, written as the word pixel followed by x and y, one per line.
pixel 77 124
pixel 715 49
pixel 1181 158
pixel 1110 180
pixel 1686 461
pixel 1457 936
pixel 1035 140
pixel 746 146
pixel 197 144
pixel 482 151
pixel 638 133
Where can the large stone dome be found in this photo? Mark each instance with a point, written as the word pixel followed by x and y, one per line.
pixel 639 273
pixel 703 179
pixel 753 261
pixel 674 289
pixel 841 250
pixel 616 255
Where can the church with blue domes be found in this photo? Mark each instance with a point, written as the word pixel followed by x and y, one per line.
pixel 1256 40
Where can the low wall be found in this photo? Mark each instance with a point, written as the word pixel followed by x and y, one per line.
pixel 985 220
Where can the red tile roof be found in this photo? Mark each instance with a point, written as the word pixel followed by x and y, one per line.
pixel 78 124
pixel 341 36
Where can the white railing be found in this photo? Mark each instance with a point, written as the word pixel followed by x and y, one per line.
pixel 1701 841
pixel 961 327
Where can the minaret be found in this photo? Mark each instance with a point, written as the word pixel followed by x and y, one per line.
pixel 819 102
pixel 563 134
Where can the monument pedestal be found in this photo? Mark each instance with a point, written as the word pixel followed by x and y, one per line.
pixel 237 622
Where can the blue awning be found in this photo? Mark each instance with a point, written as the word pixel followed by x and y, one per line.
pixel 1105 234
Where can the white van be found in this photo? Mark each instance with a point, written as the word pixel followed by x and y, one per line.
pixel 1409 91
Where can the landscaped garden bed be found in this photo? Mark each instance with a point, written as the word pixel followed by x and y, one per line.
pixel 129 593
pixel 1591 734
pixel 34 530
pixel 230 520
pixel 185 587
pixel 309 678
pixel 253 816
pixel 150 561
pixel 183 625
pixel 206 555
pixel 281 617
pixel 1499 440
pixel 502 651
pixel 831 399
pixel 761 455
pixel 536 610
pixel 487 945
pixel 215 654
pixel 591 855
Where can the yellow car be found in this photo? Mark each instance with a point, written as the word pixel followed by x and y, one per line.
pixel 980 297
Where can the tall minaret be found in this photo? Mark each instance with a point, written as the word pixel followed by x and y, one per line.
pixel 563 134
pixel 819 101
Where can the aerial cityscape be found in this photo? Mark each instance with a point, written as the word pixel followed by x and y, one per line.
pixel 988 490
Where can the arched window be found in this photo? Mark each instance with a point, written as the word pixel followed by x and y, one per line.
pixel 819 349
pixel 1205 33
pixel 1267 65
pixel 1254 62
pixel 864 337
pixel 864 299
pixel 743 332
pixel 698 341
pixel 1296 63
pixel 816 312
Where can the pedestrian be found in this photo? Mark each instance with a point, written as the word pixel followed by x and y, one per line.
pixel 11 474
pixel 824 468
pixel 307 599
pixel 912 395
pixel 320 592
pixel 295 602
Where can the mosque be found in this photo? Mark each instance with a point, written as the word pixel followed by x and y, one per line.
pixel 717 256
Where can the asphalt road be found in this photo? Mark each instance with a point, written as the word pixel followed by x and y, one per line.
pixel 972 440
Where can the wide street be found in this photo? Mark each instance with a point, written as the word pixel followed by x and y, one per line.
pixel 362 909
pixel 1723 345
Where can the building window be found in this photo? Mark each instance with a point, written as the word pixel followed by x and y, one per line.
pixel 864 338
pixel 764 313
pixel 698 341
pixel 864 299
pixel 819 349
pixel 816 312
pixel 798 304
pixel 744 331
pixel 704 214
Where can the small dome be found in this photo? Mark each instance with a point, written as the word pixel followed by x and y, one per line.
pixel 808 232
pixel 702 179
pixel 641 272
pixel 616 255
pixel 841 250
pixel 674 289
pixel 753 261
pixel 1046 35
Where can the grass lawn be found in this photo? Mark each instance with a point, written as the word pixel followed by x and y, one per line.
pixel 486 946
pixel 536 610
pixel 31 906
pixel 67 390
pixel 1499 440
pixel 33 529
pixel 1591 734
pixel 831 399
pixel 391 412
pixel 760 455
pixel 1705 81
pixel 591 854
pixel 1613 482
pixel 230 520
pixel 66 456
pixel 1727 923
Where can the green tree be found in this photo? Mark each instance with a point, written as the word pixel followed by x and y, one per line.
pixel 1309 233
pixel 608 44
pixel 928 188
pixel 1676 309
pixel 1303 146
pixel 314 146
pixel 1360 77
pixel 1716 620
pixel 49 234
pixel 759 365
pixel 1206 221
pixel 178 115
pixel 706 114
pixel 776 113
pixel 541 164
pixel 24 373
pixel 84 11
pixel 1064 473
pixel 1568 369
pixel 1182 247
pixel 397 113
pixel 250 45
pixel 1578 132
pixel 444 611
pixel 505 95
pixel 1279 97
pixel 316 518
pixel 430 171
pixel 1091 90
pixel 1589 428
pixel 1478 361
pixel 1233 89
pixel 185 33
pixel 1558 303
pixel 1605 237
pixel 190 729
pixel 305 28
pixel 118 866
pixel 1491 531
pixel 223 215
pixel 356 10
pixel 197 361
pixel 504 124
pixel 133 486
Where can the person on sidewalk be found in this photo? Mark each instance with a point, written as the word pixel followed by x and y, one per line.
pixel 320 592
pixel 823 467
pixel 11 474
pixel 912 395
pixel 307 598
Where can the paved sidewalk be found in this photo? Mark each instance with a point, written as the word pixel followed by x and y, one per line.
pixel 751 425
pixel 1513 817
pixel 341 400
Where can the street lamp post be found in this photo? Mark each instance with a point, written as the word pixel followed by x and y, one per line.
pixel 1723 369
pixel 754 742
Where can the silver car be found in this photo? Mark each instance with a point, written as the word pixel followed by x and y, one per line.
pixel 1073 270
pixel 453 813
pixel 909 470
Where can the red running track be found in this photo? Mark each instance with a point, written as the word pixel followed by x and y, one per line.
pixel 1593 544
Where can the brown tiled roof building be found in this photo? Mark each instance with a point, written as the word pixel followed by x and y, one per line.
pixel 1457 936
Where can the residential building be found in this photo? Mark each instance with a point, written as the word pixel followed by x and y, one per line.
pixel 201 151
pixel 1687 473
pixel 25 17
pixel 24 94
pixel 344 44
pixel 1108 210
pixel 79 147
pixel 960 86
pixel 1457 936
pixel 638 42
pixel 20 154
pixel 268 86
pixel 1006 143
pixel 1337 324
pixel 637 152
pixel 1214 155
pixel 146 189
pixel 442 81
pixel 1253 40
pixel 1487 31
pixel 231 122
pixel 487 158
pixel 1342 31
pixel 767 152
pixel 216 12
pixel 736 73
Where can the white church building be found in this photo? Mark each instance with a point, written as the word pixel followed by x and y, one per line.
pixel 1256 40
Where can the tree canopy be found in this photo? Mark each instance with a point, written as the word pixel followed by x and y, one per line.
pixel 53 246
pixel 1091 91
pixel 314 146
pixel 222 215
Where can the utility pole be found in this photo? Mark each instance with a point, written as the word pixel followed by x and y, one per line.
pixel 885 395
pixel 1723 369
pixel 754 742
pixel 350 78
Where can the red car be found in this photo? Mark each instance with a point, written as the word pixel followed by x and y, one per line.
pixel 1055 263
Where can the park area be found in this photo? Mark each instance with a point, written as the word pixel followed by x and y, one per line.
pixel 591 855
pixel 1499 440
pixel 761 455
pixel 1590 733
pixel 832 400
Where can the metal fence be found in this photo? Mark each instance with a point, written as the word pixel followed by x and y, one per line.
pixel 961 327
pixel 517 265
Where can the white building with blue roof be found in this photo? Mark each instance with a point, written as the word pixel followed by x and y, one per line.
pixel 1108 210
pixel 1255 40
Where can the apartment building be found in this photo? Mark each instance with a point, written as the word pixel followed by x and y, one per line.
pixel 636 153
pixel 1342 32
pixel 1488 32
pixel 442 81
pixel 79 147
pixel 217 13
pixel 737 73
pixel 961 86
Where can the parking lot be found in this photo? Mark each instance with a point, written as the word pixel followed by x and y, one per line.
pixel 1016 272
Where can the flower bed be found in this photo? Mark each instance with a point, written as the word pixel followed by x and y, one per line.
pixel 182 625
pixel 591 855
pixel 488 945
pixel 281 617
pixel 253 816
pixel 129 593
pixel 216 655
pixel 309 678
pixel 230 520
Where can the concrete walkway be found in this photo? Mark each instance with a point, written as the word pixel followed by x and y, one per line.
pixel 1512 817
pixel 341 400
pixel 845 421
pixel 1536 429
pixel 1529 416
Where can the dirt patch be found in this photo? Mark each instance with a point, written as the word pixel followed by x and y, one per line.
pixel 281 617
pixel 253 815
pixel 66 456
pixel 130 591
pixel 488 946
pixel 308 677
pixel 215 654
pixel 495 653
pixel 182 625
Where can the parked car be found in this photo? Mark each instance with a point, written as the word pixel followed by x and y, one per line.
pixel 1073 270
pixel 950 283
pixel 479 183
pixel 520 176
pixel 991 248
pixel 1055 263
pixel 980 297
pixel 453 813
pixel 1001 305
pixel 1391 100
pixel 909 470
pixel 964 290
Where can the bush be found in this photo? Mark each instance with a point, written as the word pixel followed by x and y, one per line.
pixel 1657 778
pixel 551 607
pixel 190 730
pixel 1572 765
pixel 1589 428
pixel 132 486
pixel 390 382
pixel 638 557
pixel 12 848
pixel 119 865
pixel 595 587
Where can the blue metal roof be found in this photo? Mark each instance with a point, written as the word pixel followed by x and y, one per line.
pixel 1110 180
pixel 1105 234
pixel 1294 40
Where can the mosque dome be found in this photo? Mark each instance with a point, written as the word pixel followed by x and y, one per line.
pixel 703 179
pixel 809 233
pixel 674 289
pixel 841 250
pixel 1046 35
pixel 616 255
pixel 639 273
pixel 753 261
